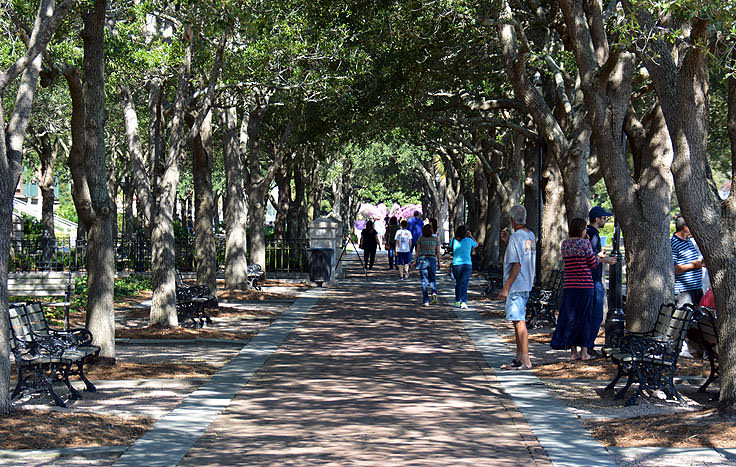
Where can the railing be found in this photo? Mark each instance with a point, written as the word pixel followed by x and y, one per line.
pixel 287 256
pixel 43 253
pixel 61 224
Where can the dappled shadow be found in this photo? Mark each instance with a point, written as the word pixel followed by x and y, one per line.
pixel 371 377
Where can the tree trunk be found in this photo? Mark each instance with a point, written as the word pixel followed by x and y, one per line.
pixel 166 179
pixel 101 250
pixel 283 182
pixel 684 95
pixel 204 240
pixel 47 152
pixel 139 180
pixel 257 219
pixel 554 230
pixel 641 204
pixel 236 263
pixel 531 186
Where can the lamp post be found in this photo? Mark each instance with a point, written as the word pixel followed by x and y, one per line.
pixel 615 317
pixel 123 186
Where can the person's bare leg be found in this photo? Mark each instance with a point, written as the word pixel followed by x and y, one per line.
pixel 584 355
pixel 522 343
pixel 574 353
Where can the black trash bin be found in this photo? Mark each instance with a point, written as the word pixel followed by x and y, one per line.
pixel 320 264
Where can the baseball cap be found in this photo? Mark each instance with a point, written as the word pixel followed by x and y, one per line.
pixel 598 211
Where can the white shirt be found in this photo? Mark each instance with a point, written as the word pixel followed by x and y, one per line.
pixel 403 241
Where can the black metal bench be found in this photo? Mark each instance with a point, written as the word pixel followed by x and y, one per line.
pixel 650 358
pixel 708 327
pixel 494 276
pixel 255 275
pixel 44 355
pixel 192 303
pixel 544 300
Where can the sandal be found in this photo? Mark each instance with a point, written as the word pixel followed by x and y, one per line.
pixel 511 366
pixel 520 367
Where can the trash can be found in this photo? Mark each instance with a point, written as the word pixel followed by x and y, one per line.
pixel 320 264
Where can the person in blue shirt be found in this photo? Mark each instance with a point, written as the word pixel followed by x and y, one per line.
pixel 688 265
pixel 415 227
pixel 462 266
pixel 597 218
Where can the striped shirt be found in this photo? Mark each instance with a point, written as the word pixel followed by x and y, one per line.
pixel 579 263
pixel 685 252
pixel 427 246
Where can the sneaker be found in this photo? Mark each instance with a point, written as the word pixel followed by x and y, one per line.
pixel 457 304
pixel 464 306
pixel 434 299
pixel 426 303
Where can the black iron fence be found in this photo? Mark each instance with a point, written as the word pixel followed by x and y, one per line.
pixel 45 253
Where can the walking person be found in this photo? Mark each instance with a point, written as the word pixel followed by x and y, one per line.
pixel 390 245
pixel 576 305
pixel 518 274
pixel 597 218
pixel 462 266
pixel 428 261
pixel 415 225
pixel 369 242
pixel 403 249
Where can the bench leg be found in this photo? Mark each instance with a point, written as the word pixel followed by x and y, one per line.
pixel 612 385
pixel 713 371
pixel 632 400
pixel 48 383
pixel 88 386
pixel 75 394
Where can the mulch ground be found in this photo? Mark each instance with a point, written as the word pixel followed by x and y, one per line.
pixel 702 428
pixel 40 429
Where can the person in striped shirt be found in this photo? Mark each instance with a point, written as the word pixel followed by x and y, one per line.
pixel 688 265
pixel 578 294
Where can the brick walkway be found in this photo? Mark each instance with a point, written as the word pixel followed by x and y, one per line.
pixel 371 377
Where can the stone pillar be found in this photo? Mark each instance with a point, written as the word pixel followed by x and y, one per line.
pixel 326 232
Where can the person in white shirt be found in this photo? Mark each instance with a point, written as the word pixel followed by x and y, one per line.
pixel 403 249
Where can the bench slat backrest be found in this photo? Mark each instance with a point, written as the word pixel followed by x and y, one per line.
pixel 708 327
pixel 19 328
pixel 664 318
pixel 37 319
pixel 677 329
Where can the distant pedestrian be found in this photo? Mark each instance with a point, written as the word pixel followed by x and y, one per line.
pixel 462 266
pixel 519 264
pixel 435 227
pixel 390 245
pixel 415 227
pixel 428 261
pixel 578 295
pixel 369 242
pixel 597 218
pixel 403 249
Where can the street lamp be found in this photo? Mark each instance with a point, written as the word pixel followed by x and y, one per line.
pixel 123 186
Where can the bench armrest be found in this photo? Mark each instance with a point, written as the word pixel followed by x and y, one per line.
pixel 646 346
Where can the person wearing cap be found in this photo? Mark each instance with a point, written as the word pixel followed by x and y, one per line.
pixel 597 218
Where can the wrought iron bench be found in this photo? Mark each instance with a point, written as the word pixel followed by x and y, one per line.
pixel 544 300
pixel 255 276
pixel 192 303
pixel 650 358
pixel 44 355
pixel 494 276
pixel 708 327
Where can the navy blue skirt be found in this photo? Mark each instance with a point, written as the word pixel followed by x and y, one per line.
pixel 573 321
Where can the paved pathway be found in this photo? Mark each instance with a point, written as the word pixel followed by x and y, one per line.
pixel 368 376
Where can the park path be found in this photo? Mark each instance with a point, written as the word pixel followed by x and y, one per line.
pixel 371 377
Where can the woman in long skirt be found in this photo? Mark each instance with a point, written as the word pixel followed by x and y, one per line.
pixel 576 305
